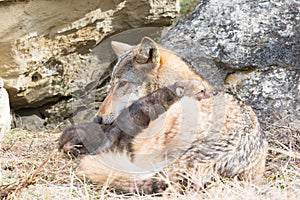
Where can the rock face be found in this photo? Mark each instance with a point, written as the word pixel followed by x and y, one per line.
pixel 47 46
pixel 249 48
pixel 274 93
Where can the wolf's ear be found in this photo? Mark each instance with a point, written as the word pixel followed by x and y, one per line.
pixel 147 52
pixel 120 48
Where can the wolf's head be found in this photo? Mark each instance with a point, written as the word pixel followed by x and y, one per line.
pixel 139 71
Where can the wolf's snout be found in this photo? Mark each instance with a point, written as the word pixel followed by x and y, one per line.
pixel 98 119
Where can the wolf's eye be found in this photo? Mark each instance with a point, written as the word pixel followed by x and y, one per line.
pixel 122 84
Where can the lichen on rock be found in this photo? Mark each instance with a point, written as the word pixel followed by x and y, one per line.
pixel 248 48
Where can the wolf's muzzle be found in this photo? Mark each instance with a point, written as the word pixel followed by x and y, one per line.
pixel 98 120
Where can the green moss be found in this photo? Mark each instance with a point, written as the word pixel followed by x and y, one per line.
pixel 186 6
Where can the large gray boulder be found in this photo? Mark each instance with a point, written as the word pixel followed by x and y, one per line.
pixel 248 48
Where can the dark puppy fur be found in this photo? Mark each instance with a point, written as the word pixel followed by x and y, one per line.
pixel 83 138
pixel 92 138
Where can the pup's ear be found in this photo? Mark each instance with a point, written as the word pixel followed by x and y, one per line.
pixel 120 48
pixel 147 52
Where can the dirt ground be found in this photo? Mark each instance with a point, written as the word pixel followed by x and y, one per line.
pixel 24 151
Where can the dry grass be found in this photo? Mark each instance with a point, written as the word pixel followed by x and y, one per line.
pixel 23 152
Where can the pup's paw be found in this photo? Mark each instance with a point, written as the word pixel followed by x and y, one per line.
pixel 82 138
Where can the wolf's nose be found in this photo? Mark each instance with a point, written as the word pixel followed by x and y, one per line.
pixel 98 120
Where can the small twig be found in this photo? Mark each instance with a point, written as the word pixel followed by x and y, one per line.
pixel 287 153
pixel 17 187
pixel 56 127
pixel 11 146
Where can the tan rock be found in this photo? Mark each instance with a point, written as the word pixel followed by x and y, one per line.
pixel 45 45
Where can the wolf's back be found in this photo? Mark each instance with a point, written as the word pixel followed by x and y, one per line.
pixel 233 145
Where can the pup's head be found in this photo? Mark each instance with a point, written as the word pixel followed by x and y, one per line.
pixel 139 71
pixel 191 88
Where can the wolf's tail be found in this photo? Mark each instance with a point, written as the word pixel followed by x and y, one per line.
pixel 112 168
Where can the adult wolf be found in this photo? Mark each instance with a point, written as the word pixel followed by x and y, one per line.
pixel 228 139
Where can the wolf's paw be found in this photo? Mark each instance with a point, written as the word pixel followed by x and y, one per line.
pixel 192 88
pixel 148 187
